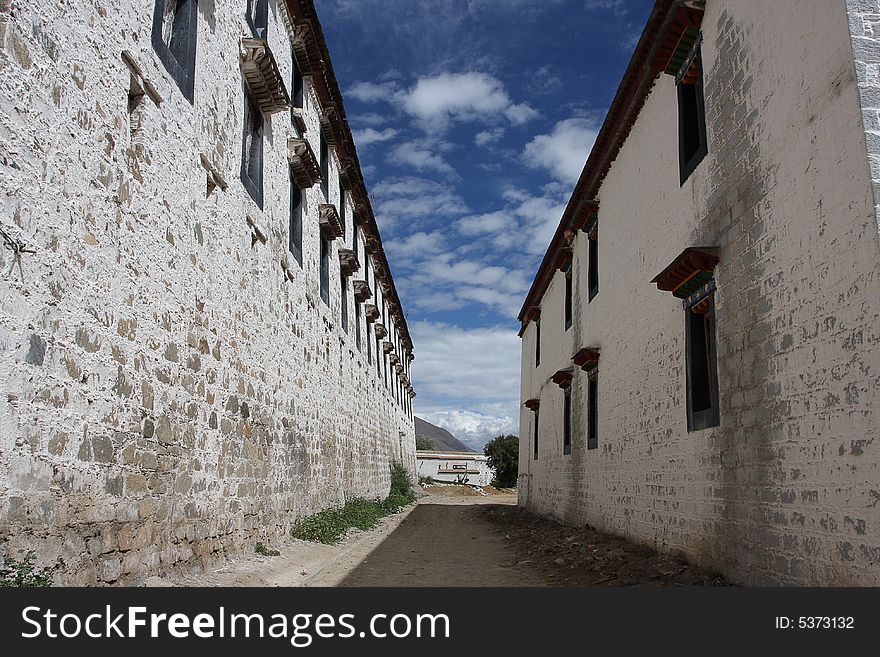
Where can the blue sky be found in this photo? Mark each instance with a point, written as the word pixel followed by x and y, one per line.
pixel 472 120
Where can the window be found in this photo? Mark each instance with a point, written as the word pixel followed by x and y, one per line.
pixel 378 358
pixel 357 323
pixel 702 367
pixel 297 85
pixel 325 271
pixel 369 347
pixel 295 228
pixel 692 147
pixel 343 287
pixel 252 151
pixel 325 169
pixel 568 297
pixel 174 40
pixel 537 414
pixel 592 412
pixel 257 16
pixel 342 219
pixel 566 422
pixel 593 272
pixel 537 343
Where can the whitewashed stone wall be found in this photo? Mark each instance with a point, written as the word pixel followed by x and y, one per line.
pixel 167 396
pixel 864 26
pixel 785 490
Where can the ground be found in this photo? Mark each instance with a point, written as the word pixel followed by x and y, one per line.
pixel 455 536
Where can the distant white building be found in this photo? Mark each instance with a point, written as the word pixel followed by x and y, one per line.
pixel 455 467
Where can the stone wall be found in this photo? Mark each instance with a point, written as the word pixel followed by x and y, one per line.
pixel 785 490
pixel 169 394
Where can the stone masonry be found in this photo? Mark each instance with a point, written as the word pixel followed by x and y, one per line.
pixel 173 388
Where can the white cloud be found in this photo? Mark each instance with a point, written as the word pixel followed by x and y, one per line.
pixel 473 428
pixel 486 137
pixel 412 199
pixel 370 136
pixel 370 92
pixel 520 114
pixel 368 119
pixel 564 151
pixel 438 101
pixel 477 224
pixel 617 7
pixel 420 157
pixel 456 366
pixel 415 244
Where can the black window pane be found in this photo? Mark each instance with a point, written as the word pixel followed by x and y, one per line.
pixel 174 40
pixel 297 86
pixel 593 275
pixel 325 272
pixel 699 363
pixel 255 151
pixel 295 231
pixel 325 169
pixel 566 426
pixel 343 287
pixel 342 217
pixel 692 142
pixel 592 415
pixel 537 343
pixel 536 434
pixel 568 293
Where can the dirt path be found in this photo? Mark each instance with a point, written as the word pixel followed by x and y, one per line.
pixel 444 541
pixel 456 537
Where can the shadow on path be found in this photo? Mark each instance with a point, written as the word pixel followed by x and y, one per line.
pixel 442 545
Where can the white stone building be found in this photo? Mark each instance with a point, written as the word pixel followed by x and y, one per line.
pixel 469 468
pixel 701 344
pixel 201 340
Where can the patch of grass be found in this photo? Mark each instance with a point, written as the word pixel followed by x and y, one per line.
pixel 427 481
pixel 22 573
pixel 266 551
pixel 330 525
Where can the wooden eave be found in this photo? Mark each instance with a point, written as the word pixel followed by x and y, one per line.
pixel 328 221
pixel 563 377
pixel 380 330
pixel 371 312
pixel 532 404
pixel 263 78
pixel 348 261
pixel 387 346
pixel 361 290
pixel 691 269
pixel 303 163
pixel 586 358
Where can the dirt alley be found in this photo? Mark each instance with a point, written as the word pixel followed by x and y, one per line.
pixel 454 536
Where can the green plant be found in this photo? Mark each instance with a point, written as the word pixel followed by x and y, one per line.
pixel 425 443
pixel 265 551
pixel 503 453
pixel 22 573
pixel 401 483
pixel 428 481
pixel 330 525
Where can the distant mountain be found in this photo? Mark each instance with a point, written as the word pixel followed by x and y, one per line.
pixel 442 439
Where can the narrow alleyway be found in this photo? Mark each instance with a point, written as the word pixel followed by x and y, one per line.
pixel 456 537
